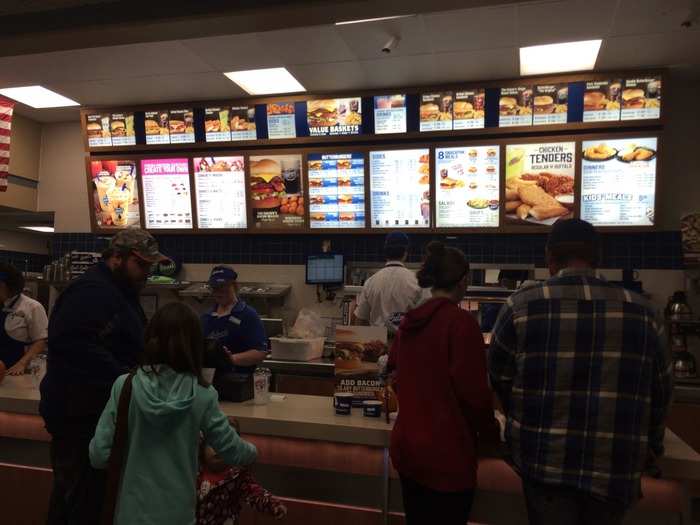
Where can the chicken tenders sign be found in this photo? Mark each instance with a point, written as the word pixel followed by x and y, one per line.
pixel 540 182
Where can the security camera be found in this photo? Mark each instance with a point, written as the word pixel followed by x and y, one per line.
pixel 391 44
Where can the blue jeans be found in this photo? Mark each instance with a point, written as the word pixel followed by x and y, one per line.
pixel 557 505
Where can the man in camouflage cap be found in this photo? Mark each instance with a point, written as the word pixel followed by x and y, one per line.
pixel 95 335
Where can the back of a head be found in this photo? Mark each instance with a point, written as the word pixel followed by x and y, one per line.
pixel 12 277
pixel 443 268
pixel 573 240
pixel 396 246
pixel 174 338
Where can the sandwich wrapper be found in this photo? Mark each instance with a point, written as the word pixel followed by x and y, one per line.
pixel 305 339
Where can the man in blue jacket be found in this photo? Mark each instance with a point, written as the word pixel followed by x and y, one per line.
pixel 95 335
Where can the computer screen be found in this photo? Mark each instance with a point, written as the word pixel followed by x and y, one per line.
pixel 327 268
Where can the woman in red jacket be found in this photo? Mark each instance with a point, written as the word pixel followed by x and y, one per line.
pixel 439 358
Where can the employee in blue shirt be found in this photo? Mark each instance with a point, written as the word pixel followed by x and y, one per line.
pixel 234 324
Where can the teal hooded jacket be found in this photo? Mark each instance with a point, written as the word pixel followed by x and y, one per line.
pixel 166 414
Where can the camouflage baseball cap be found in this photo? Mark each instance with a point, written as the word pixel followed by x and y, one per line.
pixel 140 243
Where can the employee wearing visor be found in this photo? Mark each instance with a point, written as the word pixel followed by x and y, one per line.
pixel 23 322
pixel 234 324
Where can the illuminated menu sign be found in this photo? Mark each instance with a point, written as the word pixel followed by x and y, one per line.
pixel 468 109
pixel 110 129
pixel 601 101
pixel 540 183
pixel 467 189
pixel 336 190
pixel 436 111
pixel 230 123
pixel 166 193
pixel 220 190
pixel 618 182
pixel 335 116
pixel 276 191
pixel 169 127
pixel 641 98
pixel 400 188
pixel 115 194
pixel 281 122
pixel 390 114
pixel 515 106
pixel 550 104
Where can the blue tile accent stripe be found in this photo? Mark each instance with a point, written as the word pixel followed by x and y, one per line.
pixel 649 250
pixel 30 262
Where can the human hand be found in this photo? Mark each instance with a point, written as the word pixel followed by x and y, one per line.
pixel 17 369
pixel 280 512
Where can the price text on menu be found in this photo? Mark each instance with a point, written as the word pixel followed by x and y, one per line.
pixel 166 188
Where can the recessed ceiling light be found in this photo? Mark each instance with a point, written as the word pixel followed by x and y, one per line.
pixel 38 97
pixel 366 20
pixel 266 81
pixel 41 229
pixel 556 58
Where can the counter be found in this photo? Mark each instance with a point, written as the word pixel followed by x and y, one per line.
pixel 310 455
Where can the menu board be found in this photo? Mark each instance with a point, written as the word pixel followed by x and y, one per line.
pixel 115 129
pixel 551 104
pixel 115 194
pixel 281 122
pixel 467 187
pixel 601 101
pixel 169 127
pixel 540 182
pixel 641 98
pixel 276 191
pixel 223 124
pixel 166 193
pixel 390 114
pixel 334 116
pixel 436 111
pixel 357 351
pixel 336 190
pixel 468 109
pixel 618 182
pixel 400 188
pixel 220 189
pixel 515 106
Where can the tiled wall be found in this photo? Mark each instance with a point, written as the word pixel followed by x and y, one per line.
pixel 30 262
pixel 654 250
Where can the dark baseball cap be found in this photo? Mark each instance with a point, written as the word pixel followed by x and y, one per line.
pixel 572 231
pixel 221 275
pixel 397 239
pixel 140 243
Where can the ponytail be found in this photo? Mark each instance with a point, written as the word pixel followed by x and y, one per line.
pixel 443 267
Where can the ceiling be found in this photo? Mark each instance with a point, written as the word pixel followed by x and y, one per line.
pixel 14 219
pixel 436 47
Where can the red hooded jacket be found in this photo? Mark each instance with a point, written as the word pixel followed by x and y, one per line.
pixel 444 398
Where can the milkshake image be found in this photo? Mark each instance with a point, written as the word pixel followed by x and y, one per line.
pixel 124 178
pixel 104 184
pixel 515 162
pixel 119 200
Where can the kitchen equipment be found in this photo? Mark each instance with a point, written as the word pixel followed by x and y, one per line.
pixel 289 349
pixel 684 365
pixel 678 307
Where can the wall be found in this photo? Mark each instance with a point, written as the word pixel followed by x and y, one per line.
pixel 25 150
pixel 24 242
pixel 62 178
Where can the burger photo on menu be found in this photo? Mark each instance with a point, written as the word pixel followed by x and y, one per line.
pixel 334 116
pixel 550 104
pixel 515 106
pixel 641 98
pixel 436 111
pixel 602 100
pixel 276 193
pixel 97 129
pixel 468 109
pixel 540 180
pixel 357 351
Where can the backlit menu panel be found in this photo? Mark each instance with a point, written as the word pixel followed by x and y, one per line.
pixel 336 190
pixel 220 189
pixel 166 193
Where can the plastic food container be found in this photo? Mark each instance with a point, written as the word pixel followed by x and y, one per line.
pixel 290 349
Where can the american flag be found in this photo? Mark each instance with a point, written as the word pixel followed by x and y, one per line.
pixel 6 107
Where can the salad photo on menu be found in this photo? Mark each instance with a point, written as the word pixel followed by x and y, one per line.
pixel 276 191
pixel 115 193
pixel 540 181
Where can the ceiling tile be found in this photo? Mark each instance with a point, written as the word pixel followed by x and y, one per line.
pixel 482 64
pixel 399 71
pixel 117 62
pixel 367 40
pixel 307 45
pixel 472 29
pixel 338 76
pixel 650 16
pixel 650 50
pixel 553 22
pixel 234 52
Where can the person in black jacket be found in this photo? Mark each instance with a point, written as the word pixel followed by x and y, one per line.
pixel 95 335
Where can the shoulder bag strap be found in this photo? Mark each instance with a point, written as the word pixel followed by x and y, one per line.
pixel 117 457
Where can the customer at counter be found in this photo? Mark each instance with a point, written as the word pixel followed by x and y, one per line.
pixel 23 323
pixel 391 290
pixel 95 335
pixel 439 360
pixel 233 324
pixel 580 368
